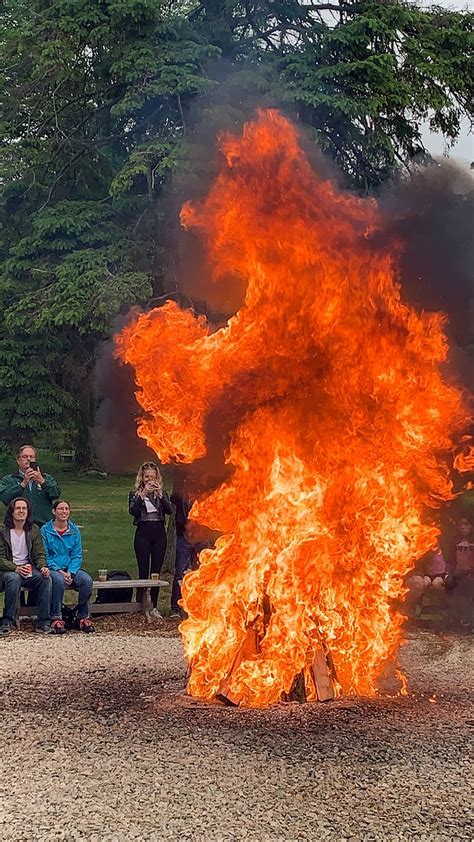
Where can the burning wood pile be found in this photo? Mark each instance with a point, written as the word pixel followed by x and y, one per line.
pixel 326 393
pixel 316 682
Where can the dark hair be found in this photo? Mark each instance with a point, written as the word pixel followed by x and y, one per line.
pixel 8 519
pixel 57 502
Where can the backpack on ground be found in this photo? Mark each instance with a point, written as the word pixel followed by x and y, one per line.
pixel 108 595
pixel 69 616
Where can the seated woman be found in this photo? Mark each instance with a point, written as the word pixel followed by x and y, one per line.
pixel 148 503
pixel 431 572
pixel 62 542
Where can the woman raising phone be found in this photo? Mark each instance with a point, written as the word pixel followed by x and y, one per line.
pixel 148 504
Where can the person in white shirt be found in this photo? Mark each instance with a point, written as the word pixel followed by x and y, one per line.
pixel 23 564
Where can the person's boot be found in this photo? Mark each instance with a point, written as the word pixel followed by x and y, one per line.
pixel 58 626
pixel 44 629
pixel 86 626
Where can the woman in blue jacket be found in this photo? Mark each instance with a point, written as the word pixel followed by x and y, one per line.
pixel 62 542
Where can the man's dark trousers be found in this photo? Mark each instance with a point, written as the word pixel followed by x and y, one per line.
pixel 36 583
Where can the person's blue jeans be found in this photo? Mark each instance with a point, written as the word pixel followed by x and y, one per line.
pixel 82 583
pixel 183 561
pixel 41 585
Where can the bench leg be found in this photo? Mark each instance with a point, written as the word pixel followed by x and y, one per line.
pixel 17 614
pixel 146 604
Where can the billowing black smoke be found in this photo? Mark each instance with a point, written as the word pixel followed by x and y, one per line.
pixel 430 215
pixel 119 448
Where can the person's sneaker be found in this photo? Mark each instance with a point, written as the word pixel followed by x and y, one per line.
pixel 5 629
pixel 58 627
pixel 175 614
pixel 44 630
pixel 156 614
pixel 86 626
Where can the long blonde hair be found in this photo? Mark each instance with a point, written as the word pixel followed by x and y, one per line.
pixel 139 484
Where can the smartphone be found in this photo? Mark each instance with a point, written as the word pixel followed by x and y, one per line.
pixel 33 466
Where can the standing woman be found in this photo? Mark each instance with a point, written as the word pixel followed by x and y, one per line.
pixel 148 503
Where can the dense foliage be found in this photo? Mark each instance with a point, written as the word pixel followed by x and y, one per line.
pixel 101 100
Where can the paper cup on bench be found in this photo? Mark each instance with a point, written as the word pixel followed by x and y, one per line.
pixel 102 575
pixel 155 577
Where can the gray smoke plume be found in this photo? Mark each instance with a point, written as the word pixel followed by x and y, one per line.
pixel 119 448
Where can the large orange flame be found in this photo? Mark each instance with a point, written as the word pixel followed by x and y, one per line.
pixel 338 416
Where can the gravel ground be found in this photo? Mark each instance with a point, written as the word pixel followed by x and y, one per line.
pixel 99 742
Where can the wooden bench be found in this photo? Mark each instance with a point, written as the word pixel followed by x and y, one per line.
pixel 67 456
pixel 114 607
pixel 127 607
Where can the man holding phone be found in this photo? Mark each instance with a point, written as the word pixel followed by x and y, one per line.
pixel 29 482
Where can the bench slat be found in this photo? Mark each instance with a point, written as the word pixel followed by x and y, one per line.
pixel 116 608
pixel 127 583
pixel 131 583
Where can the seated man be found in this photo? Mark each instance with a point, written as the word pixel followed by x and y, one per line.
pixel 23 563
pixel 62 542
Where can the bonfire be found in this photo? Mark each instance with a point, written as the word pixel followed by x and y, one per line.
pixel 337 425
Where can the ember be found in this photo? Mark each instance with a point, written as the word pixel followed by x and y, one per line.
pixel 329 389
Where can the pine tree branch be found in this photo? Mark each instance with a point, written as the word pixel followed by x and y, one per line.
pixel 56 181
pixel 180 107
pixel 328 7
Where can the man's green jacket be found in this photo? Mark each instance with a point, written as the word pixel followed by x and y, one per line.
pixel 40 496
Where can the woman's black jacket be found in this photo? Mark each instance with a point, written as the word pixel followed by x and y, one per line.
pixel 137 508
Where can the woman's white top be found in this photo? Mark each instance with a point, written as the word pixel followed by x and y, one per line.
pixel 152 513
pixel 150 507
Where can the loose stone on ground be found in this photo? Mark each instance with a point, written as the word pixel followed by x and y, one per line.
pixel 100 742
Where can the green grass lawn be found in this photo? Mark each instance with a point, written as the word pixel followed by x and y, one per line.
pixel 100 508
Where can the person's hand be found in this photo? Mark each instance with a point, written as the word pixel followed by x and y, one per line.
pixel 38 477
pixel 29 477
pixel 67 576
pixel 150 486
pixel 24 570
pixel 45 572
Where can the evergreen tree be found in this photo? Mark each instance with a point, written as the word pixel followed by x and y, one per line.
pixel 93 101
pixel 362 75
